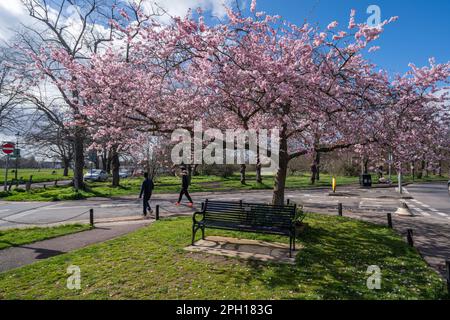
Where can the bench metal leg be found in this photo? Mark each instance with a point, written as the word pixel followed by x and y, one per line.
pixel 194 231
pixel 203 233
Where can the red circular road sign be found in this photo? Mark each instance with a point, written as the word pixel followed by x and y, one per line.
pixel 8 148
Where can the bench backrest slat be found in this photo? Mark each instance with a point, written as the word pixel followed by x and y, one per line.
pixel 249 214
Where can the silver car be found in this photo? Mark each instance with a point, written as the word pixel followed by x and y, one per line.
pixel 124 174
pixel 96 175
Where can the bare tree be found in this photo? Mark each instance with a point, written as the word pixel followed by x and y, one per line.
pixel 10 90
pixel 49 139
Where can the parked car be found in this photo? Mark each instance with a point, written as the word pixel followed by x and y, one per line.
pixel 124 174
pixel 96 175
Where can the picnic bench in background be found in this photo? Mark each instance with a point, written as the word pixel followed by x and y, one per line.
pixel 246 217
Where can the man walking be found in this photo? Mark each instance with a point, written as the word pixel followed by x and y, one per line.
pixel 184 187
pixel 146 191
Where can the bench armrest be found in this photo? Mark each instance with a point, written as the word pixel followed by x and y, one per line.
pixel 194 217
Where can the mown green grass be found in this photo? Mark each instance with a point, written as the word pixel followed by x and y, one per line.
pixel 39 175
pixel 170 184
pixel 151 264
pixel 17 237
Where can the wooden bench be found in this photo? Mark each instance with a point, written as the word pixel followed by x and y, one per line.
pixel 246 217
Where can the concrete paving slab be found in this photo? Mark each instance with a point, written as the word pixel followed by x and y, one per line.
pixel 245 249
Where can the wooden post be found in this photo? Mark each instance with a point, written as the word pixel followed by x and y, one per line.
pixel 91 217
pixel 288 201
pixel 240 202
pixel 389 219
pixel 409 237
pixel 340 209
pixel 157 212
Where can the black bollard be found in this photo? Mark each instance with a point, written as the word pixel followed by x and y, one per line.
pixel 157 212
pixel 409 237
pixel 389 219
pixel 340 209
pixel 203 206
pixel 91 217
pixel 288 201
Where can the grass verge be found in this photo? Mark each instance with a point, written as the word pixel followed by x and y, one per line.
pixel 151 264
pixel 16 237
pixel 172 185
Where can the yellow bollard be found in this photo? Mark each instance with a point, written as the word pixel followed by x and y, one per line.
pixel 333 184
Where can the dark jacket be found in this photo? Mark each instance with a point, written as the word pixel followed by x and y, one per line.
pixel 185 182
pixel 147 188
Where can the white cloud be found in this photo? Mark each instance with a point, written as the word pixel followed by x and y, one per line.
pixel 180 7
pixel 12 13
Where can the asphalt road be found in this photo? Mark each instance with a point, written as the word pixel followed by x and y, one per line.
pixel 19 214
pixel 430 200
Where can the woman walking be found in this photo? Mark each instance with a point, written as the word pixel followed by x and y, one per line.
pixel 184 187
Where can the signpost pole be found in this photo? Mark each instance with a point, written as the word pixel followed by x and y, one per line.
pixel 7 149
pixel 6 173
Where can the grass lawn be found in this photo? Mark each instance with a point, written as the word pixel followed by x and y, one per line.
pixel 39 175
pixel 169 184
pixel 17 237
pixel 151 264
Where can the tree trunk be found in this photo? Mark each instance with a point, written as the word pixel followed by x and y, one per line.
pixel 108 162
pixel 366 166
pixel 315 168
pixel 115 164
pixel 421 170
pixel 280 178
pixel 66 165
pixel 97 161
pixel 258 165
pixel 243 168
pixel 318 166
pixel 195 170
pixel 78 146
pixel 105 160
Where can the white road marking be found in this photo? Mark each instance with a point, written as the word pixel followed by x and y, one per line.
pixel 4 210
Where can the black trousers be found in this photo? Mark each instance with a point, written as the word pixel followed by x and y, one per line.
pixel 185 192
pixel 146 204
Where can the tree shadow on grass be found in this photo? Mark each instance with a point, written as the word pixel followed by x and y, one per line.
pixel 334 261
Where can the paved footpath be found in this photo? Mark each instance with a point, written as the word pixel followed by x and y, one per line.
pixel 15 257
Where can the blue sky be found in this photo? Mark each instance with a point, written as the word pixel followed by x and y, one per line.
pixel 422 31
